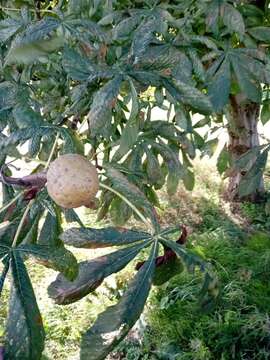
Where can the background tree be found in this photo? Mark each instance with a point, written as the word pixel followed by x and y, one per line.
pixel 83 77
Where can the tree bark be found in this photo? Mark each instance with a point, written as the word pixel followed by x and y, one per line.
pixel 243 119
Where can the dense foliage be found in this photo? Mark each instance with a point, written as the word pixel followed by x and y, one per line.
pixel 84 77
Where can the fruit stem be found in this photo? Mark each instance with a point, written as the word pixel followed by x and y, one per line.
pixel 21 224
pixel 133 207
pixel 5 207
pixel 52 151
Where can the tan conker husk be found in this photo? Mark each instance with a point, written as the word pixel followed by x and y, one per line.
pixel 72 181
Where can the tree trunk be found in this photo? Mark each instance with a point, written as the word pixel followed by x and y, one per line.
pixel 243 119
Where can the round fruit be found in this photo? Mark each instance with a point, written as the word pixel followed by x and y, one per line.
pixel 72 181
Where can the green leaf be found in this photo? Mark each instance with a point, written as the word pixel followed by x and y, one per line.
pixel 246 81
pixel 114 323
pixel 265 112
pixel 131 192
pixel 25 334
pixel 131 130
pixel 233 19
pixel 51 229
pixel 223 161
pixel 33 43
pixel 253 178
pixel 4 249
pixel 197 64
pixel 120 212
pixel 166 271
pixel 91 274
pixel 76 66
pixel 142 38
pixel 219 86
pixel 193 97
pixel 261 33
pixel 122 30
pixel 8 28
pixel 102 105
pixel 4 272
pixel 90 238
pixel 244 161
pixel 188 258
pixel 189 179
pixel 72 216
pixel 26 117
pixel 8 93
pixel 153 169
pixel 58 259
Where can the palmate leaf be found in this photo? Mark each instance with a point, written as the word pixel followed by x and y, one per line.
pixel 102 105
pixel 114 323
pixel 59 259
pixel 90 238
pixel 91 274
pixel 33 43
pixel 25 334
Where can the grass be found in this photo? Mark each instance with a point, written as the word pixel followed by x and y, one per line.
pixel 173 325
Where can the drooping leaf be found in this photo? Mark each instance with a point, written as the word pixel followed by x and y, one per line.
pixel 142 37
pixel 131 130
pixel 219 86
pixel 246 81
pixel 90 238
pixel 102 105
pixel 4 272
pixel 49 234
pixel 57 258
pixel 167 270
pixel 26 117
pixel 132 192
pixel 25 334
pixel 252 180
pixel 72 216
pixel 91 274
pixel 114 323
pixel 223 161
pixel 188 258
pixel 76 66
pixel 33 43
pixel 9 27
pixel 245 161
pixel 233 19
pixel 193 97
